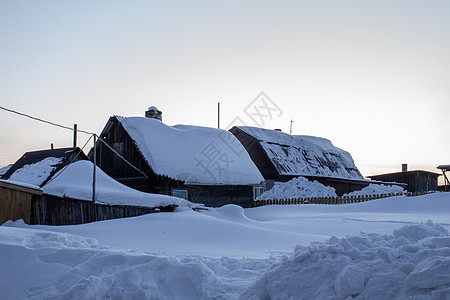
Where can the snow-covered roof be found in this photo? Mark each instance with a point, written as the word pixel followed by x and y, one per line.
pixel 36 173
pixel 4 169
pixel 304 155
pixel 193 154
pixel 36 167
pixel 75 181
pixel 444 167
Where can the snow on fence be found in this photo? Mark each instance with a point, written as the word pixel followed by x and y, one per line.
pixel 331 200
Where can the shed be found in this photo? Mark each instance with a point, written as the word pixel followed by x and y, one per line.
pixel 37 167
pixel 417 180
pixel 203 165
pixel 281 157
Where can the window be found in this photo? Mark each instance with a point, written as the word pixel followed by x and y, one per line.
pixel 257 191
pixel 180 193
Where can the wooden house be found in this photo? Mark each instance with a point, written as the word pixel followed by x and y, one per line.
pixel 203 165
pixel 416 181
pixel 281 157
pixel 37 167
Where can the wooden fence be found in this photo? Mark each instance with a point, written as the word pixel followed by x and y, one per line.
pixel 51 210
pixel 34 207
pixel 330 200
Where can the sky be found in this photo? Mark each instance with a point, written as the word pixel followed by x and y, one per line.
pixel 371 76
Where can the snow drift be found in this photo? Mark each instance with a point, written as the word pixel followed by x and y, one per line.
pixel 412 262
pixel 75 181
pixel 301 187
pixel 298 187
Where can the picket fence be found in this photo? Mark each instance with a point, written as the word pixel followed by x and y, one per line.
pixel 331 200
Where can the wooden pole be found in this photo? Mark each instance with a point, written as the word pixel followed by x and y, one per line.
pixel 95 167
pixel 75 128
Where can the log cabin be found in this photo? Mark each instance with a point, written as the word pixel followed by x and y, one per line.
pixel 200 164
pixel 281 157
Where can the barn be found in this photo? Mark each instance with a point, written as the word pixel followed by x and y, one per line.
pixel 200 164
pixel 281 157
pixel 415 180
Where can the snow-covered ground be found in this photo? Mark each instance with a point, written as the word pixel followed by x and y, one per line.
pixel 270 252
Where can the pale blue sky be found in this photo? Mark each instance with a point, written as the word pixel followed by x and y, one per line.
pixel 371 76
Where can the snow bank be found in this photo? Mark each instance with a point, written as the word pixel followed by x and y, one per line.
pixel 38 264
pixel 193 154
pixel 75 181
pixel 298 187
pixel 36 173
pixel 380 189
pixel 413 262
pixel 301 187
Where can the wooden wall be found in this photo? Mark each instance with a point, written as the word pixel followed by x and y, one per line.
pixel 216 196
pixel 51 210
pixel 15 202
pixel 34 207
pixel 417 181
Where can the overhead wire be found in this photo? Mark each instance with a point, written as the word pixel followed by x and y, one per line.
pixel 73 159
pixel 44 121
pixel 72 129
pixel 118 154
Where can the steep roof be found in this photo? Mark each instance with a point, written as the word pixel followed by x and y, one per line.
pixel 37 167
pixel 193 154
pixel 5 169
pixel 304 155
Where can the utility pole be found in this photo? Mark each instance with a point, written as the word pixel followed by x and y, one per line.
pixel 75 128
pixel 95 167
pixel 290 130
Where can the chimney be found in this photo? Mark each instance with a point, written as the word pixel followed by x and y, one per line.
pixel 153 113
pixel 404 167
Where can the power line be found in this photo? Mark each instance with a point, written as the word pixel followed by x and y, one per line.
pixel 44 121
pixel 71 129
pixel 117 153
pixel 73 159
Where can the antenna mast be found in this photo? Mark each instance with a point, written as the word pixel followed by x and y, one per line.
pixel 218 115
